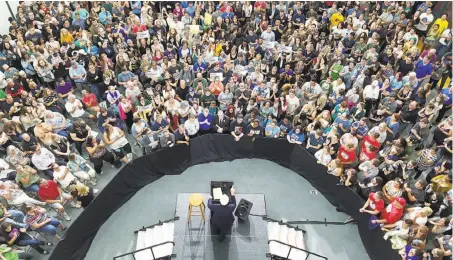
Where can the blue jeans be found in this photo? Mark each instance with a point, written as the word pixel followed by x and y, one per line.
pixel 17 217
pixel 34 187
pixel 95 91
pixel 26 240
pixel 63 133
pixel 50 228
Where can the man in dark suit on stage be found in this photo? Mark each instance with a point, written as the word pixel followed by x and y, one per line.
pixel 222 218
pixel 221 123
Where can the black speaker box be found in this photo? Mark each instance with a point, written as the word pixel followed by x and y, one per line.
pixel 243 209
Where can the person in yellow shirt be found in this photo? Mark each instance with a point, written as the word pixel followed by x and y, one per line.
pixel 443 24
pixel 65 36
pixel 207 19
pixel 336 18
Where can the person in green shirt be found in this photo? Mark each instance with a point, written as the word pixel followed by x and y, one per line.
pixel 27 177
pixel 360 47
pixel 207 98
pixel 326 85
pixel 8 253
pixel 336 69
pixel 2 95
pixel 203 81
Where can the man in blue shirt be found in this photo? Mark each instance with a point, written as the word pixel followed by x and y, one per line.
pixel 124 77
pixel 77 73
pixel 298 18
pixel 200 66
pixel 359 128
pixel 159 126
pixel 296 136
pixel 79 22
pixel 343 123
pixel 423 70
pixel 190 10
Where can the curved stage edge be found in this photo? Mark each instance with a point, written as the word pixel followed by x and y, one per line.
pixel 214 148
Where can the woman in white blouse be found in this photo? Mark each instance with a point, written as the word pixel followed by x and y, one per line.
pixel 114 137
pixel 192 126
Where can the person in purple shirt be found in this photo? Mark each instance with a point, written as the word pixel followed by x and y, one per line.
pixel 63 88
pixel 286 71
pixel 205 120
pixel 423 70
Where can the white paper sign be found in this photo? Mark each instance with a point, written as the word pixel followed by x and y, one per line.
pixel 143 35
pixel 213 76
pixel 241 70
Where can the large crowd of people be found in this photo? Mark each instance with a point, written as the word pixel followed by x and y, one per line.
pixel 363 86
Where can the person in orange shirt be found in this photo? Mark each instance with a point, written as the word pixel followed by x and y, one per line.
pixel 216 87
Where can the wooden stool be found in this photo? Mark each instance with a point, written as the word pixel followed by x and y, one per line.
pixel 196 200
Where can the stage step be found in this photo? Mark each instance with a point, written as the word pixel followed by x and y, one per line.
pixel 287 235
pixel 152 236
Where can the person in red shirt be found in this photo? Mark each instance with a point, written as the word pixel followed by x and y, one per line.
pixel 90 101
pixel 50 193
pixel 260 6
pixel 138 27
pixel 346 155
pixel 178 11
pixel 392 213
pixel 375 203
pixel 368 154
pixel 370 140
pixel 14 89
pixel 226 8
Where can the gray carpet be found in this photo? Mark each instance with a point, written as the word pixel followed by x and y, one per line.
pixel 287 195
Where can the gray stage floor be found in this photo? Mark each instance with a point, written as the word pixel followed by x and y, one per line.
pixel 194 240
pixel 287 194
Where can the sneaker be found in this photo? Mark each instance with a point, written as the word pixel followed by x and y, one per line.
pixel 95 191
pixel 129 157
pixel 45 252
pixel 66 216
pixel 93 183
pixel 74 205
pixel 50 244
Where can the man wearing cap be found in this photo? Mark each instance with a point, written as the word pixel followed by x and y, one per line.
pixel 222 214
pixel 192 96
